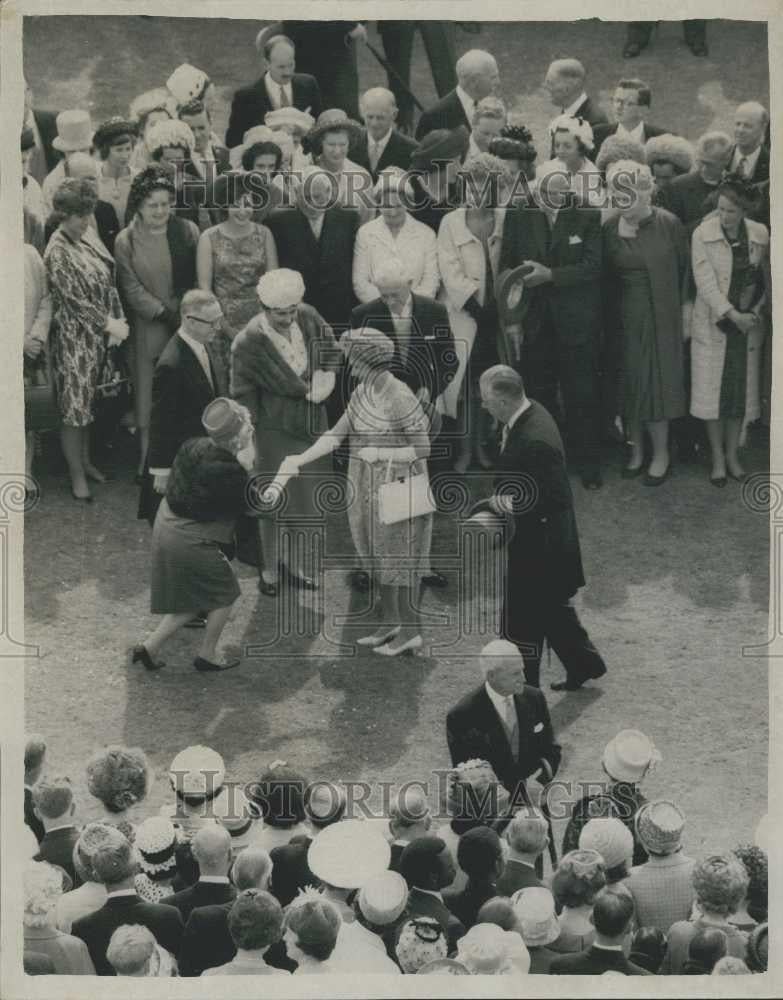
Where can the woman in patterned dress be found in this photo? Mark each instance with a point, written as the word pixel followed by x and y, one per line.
pixel 388 432
pixel 231 258
pixel 282 369
pixel 730 257
pixel 87 319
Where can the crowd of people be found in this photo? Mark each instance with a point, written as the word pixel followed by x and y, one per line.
pixel 388 306
pixel 279 876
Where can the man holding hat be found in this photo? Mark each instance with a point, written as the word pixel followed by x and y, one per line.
pixel 279 87
pixel 74 135
pixel 662 888
pixel 533 497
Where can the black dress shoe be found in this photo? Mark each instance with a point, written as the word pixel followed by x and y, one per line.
pixel 567 685
pixel 207 666
pixel 141 654
pixel 360 581
pixel 435 579
pixel 199 621
pixel 267 589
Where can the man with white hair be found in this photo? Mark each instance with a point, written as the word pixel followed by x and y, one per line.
pixel 693 195
pixel 477 76
pixel 565 82
pixel 533 493
pixel 527 836
pixel 750 157
pixel 131 950
pixel 409 817
pixel 505 722
pixel 280 86
pixel 382 145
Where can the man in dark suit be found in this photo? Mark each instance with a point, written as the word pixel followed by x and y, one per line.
pixel 638 33
pixel 114 864
pixel 750 157
pixel 189 374
pixel 630 104
pixel 612 916
pixel 34 756
pixel 527 836
pixel 544 559
pixel 409 819
pixel 207 941
pixel 480 857
pixel 210 156
pixel 318 241
pixel 692 196
pixel 559 239
pixel 211 849
pixel 505 722
pixel 477 77
pixel 54 806
pixel 43 124
pixel 381 145
pixel 565 81
pixel 428 867
pixel 279 87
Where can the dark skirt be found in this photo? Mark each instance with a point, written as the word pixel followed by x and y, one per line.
pixel 190 569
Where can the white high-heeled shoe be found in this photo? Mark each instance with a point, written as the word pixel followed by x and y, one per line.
pixel 407 647
pixel 378 640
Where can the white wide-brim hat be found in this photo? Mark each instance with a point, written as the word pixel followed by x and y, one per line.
pixel 348 854
pixel 74 131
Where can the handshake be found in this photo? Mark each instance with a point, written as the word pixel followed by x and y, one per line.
pixel 117 330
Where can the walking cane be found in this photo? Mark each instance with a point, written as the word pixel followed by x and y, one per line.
pixel 390 70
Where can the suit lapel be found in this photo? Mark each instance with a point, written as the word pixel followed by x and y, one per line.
pixel 195 372
pixel 494 727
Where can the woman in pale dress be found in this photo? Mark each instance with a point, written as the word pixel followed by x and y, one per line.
pixel 469 242
pixel 395 234
pixel 730 259
pixel 572 139
pixel 231 258
pixel 389 439
pixel 328 142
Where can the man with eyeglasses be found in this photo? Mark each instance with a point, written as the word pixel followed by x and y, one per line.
pixel 630 104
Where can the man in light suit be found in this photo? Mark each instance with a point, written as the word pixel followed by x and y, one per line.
pixel 189 375
pixel 505 722
pixel 477 76
pixel 381 144
pixel 533 493
pixel 630 104
pixel 279 87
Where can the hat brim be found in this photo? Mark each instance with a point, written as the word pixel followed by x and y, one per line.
pixel 317 132
pixel 62 147
pixel 510 293
pixel 619 771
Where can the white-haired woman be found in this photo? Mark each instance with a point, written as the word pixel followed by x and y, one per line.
pixel 668 156
pixel 283 367
pixel 469 241
pixel 42 886
pixel 192 540
pixel 389 439
pixel 646 251
pixel 487 122
pixel 395 234
pixel 572 141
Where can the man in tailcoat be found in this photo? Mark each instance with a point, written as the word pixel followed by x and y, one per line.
pixel 544 572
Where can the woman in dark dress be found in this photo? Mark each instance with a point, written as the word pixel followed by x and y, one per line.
pixel 646 252
pixel 730 257
pixel 192 540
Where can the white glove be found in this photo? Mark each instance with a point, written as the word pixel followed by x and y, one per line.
pixel 321 386
pixel 117 329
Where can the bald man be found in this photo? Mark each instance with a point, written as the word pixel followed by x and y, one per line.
pixel 750 157
pixel 505 722
pixel 565 82
pixel 211 849
pixel 477 77
pixel 381 144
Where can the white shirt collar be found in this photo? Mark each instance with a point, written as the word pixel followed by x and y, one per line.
pixel 572 108
pixel 196 346
pixel 379 144
pixel 608 947
pixel 473 149
pixel 61 826
pixel 273 89
pixel 467 102
pixel 500 702
pixel 430 892
pixel 217 879
pixel 406 311
pixel 752 159
pixel 637 133
pixel 121 892
pixel 517 414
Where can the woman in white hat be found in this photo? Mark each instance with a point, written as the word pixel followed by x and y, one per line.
pixel 74 135
pixel 572 141
pixel 192 540
pixel 627 758
pixel 282 369
pixel 487 950
pixel 295 123
pixel 328 142
pixel 156 842
pixel 389 439
pixel 534 909
pixel 146 111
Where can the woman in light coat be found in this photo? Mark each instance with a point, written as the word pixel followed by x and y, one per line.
pixel 395 233
pixel 730 259
pixel 469 242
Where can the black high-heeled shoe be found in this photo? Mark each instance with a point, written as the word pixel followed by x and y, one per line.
pixel 87 499
pixel 141 654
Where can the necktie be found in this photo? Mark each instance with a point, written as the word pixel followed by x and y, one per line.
pixel 203 357
pixel 284 103
pixel 513 726
pixel 373 155
pixel 504 437
pixel 743 167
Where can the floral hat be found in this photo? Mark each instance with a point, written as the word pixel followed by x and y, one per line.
pixel 580 128
pixel 170 133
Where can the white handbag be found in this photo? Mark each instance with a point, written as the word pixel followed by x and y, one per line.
pixel 404 498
